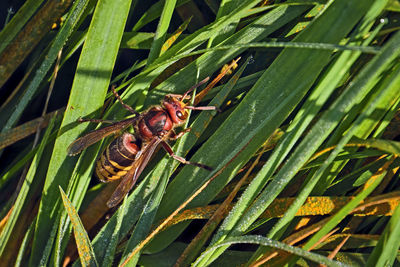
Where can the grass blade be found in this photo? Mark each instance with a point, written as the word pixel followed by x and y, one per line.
pixel 161 32
pixel 93 73
pixel 85 249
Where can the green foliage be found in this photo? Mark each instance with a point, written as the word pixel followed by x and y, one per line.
pixel 318 84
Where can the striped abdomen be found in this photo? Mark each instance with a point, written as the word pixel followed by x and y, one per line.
pixel 116 160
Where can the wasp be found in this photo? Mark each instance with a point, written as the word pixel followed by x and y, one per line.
pixel 128 154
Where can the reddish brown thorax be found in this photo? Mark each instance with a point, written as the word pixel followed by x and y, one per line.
pixel 159 120
pixel 155 122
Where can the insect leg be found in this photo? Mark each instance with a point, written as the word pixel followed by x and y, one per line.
pixel 194 87
pixel 181 159
pixel 177 96
pixel 123 104
pixel 95 120
pixel 186 94
pixel 175 136
pixel 203 108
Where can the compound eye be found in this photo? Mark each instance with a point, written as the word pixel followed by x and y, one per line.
pixel 181 116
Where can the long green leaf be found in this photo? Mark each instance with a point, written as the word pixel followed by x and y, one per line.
pixel 161 32
pixel 225 7
pixel 85 249
pixel 25 245
pixel 87 95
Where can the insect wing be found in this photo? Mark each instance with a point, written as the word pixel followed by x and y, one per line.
pixel 133 174
pixel 83 142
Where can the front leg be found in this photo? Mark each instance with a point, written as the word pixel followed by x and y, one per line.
pixel 181 159
pixel 174 136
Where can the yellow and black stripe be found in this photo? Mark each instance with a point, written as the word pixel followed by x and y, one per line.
pixel 116 160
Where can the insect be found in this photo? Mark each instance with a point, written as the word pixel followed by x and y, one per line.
pixel 128 154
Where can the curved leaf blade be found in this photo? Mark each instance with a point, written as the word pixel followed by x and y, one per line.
pixel 85 249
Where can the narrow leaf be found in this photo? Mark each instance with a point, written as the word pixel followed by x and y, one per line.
pixel 85 249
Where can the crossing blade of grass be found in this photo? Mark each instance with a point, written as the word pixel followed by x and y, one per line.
pixel 87 96
pixel 161 32
pixel 22 131
pixel 389 146
pixel 85 249
pixel 260 240
pixel 174 36
pixel 8 174
pixel 29 184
